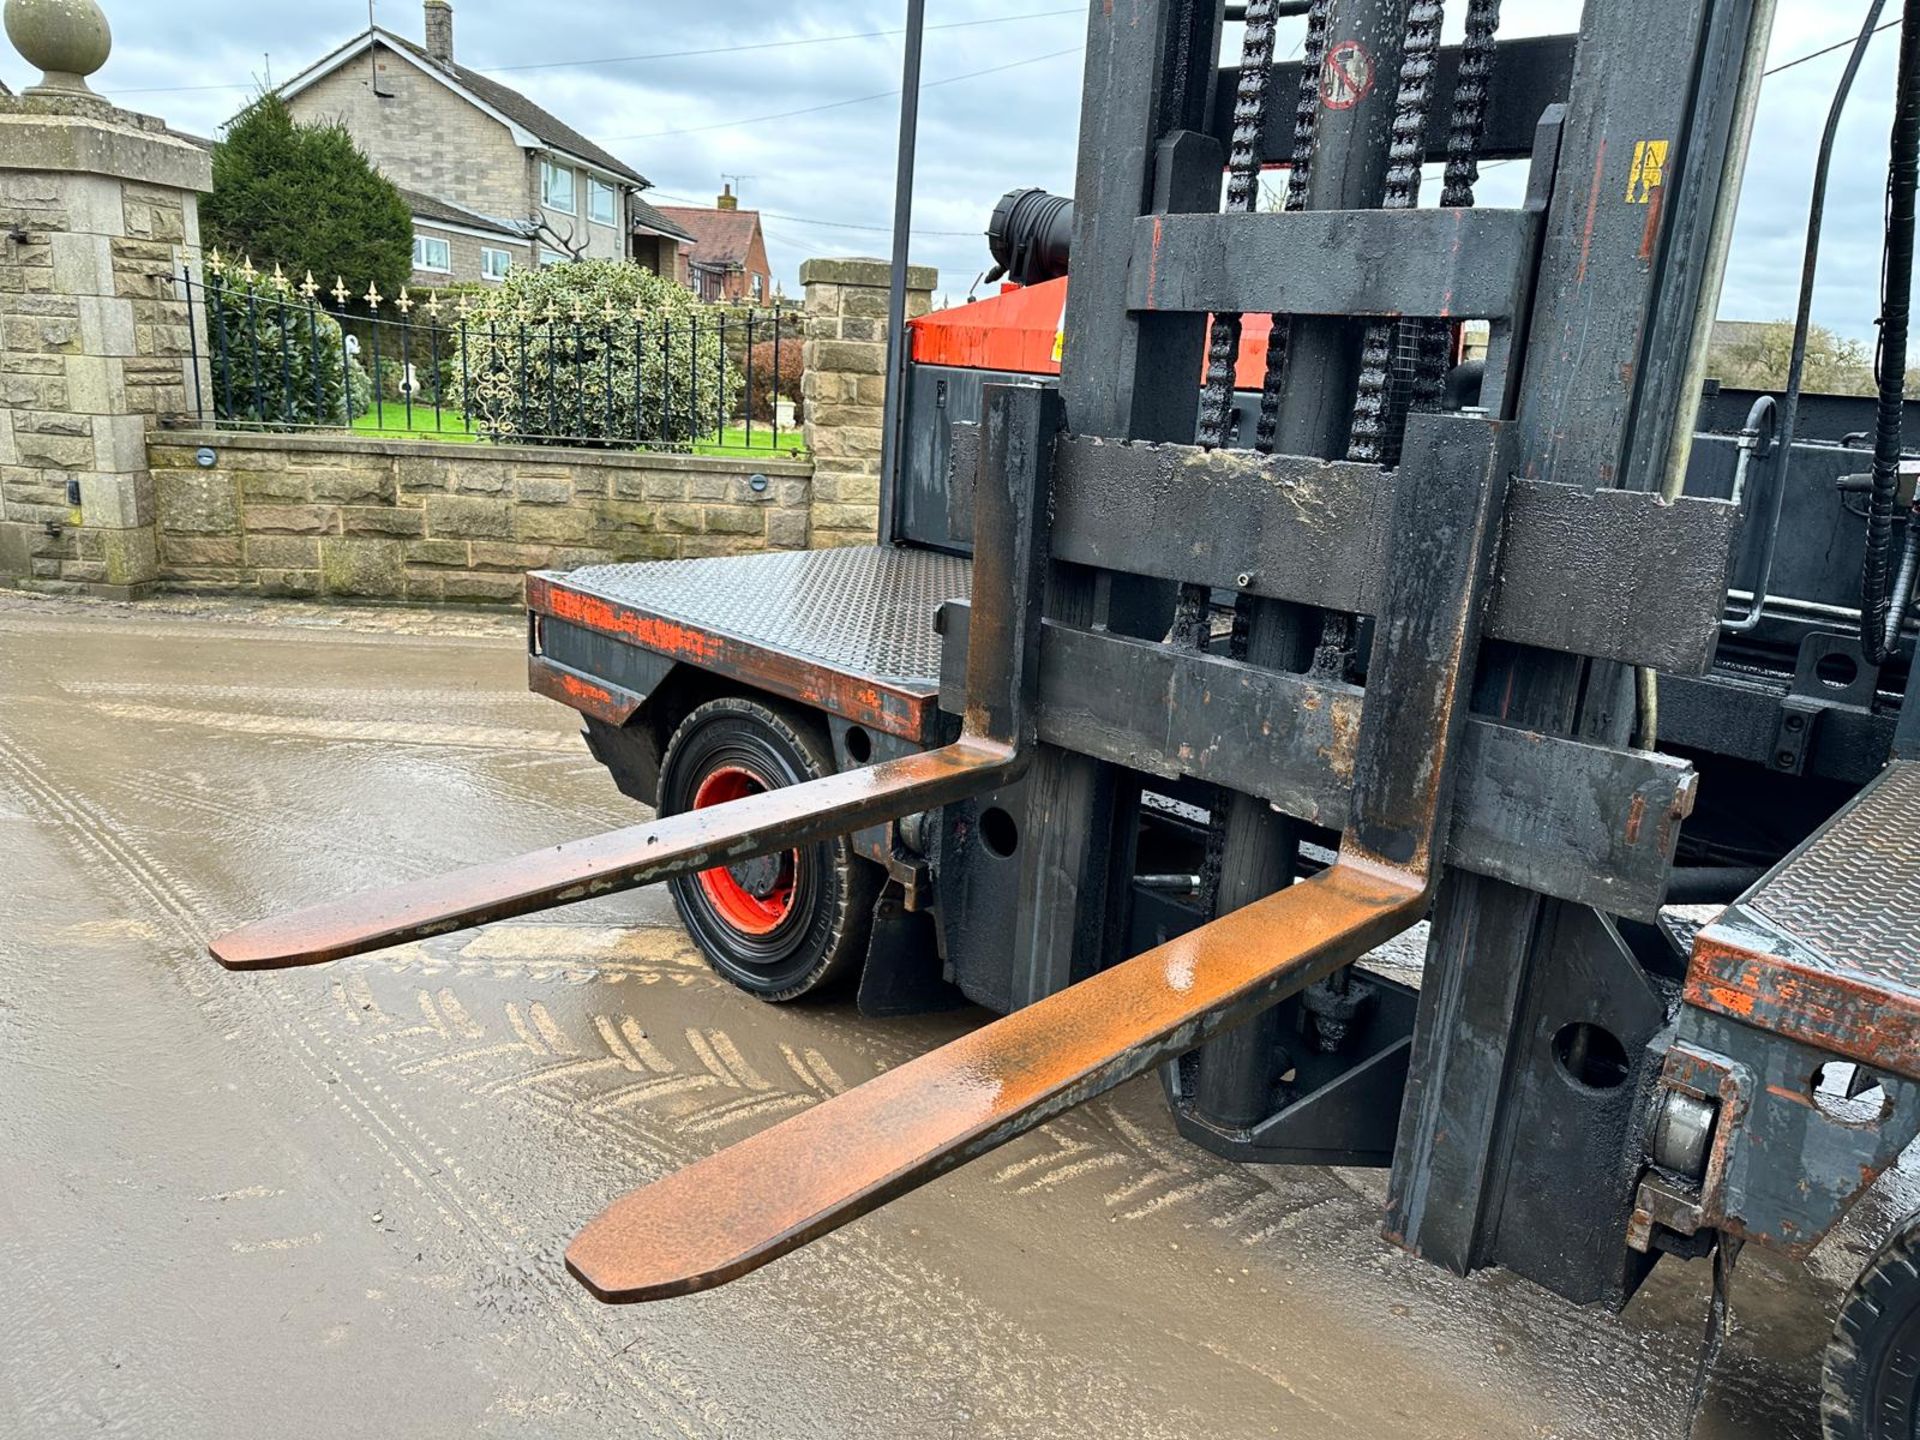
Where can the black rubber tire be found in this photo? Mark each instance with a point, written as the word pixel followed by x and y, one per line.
pixel 1872 1382
pixel 823 937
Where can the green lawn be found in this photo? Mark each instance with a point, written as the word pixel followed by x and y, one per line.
pixel 390 418
pixel 733 441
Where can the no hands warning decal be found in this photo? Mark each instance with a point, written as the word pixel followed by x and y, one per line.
pixel 1347 77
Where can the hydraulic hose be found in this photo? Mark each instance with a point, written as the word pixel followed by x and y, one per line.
pixel 1896 304
pixel 1902 599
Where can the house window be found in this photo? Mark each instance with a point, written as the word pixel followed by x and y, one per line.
pixel 759 287
pixel 432 254
pixel 601 202
pixel 556 188
pixel 494 264
pixel 553 257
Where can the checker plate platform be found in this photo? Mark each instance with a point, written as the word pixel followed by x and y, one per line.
pixel 848 630
pixel 1826 948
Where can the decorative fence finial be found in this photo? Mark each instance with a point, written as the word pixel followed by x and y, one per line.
pixel 67 39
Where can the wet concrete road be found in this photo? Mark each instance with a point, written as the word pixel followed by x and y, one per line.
pixel 332 1202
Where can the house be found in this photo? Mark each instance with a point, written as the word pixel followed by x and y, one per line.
pixel 492 179
pixel 727 259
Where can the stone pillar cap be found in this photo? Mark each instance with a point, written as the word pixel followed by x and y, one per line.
pixel 68 39
pixel 864 270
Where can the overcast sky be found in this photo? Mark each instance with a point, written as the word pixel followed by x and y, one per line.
pixel 825 179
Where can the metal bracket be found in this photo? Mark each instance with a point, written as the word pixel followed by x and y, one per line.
pixel 1799 717
pixel 1831 673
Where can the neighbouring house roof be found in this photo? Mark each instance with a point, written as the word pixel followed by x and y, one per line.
pixel 722 239
pixel 533 125
pixel 434 210
pixel 647 217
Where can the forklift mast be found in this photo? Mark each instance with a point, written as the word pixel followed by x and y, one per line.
pixel 1177 685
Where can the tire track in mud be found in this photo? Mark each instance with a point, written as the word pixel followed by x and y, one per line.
pixel 430 1170
pixel 325 700
pixel 170 793
pixel 710 1092
pixel 319 727
pixel 874 1296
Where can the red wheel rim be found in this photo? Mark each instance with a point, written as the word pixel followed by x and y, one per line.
pixel 740 907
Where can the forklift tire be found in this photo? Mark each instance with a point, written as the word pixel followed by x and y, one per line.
pixel 1872 1384
pixel 782 926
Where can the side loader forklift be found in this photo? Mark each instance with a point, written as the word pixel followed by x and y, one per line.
pixel 1253 628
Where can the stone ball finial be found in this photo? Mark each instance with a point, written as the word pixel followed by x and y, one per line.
pixel 67 39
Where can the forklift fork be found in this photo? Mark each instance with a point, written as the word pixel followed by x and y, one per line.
pixel 995 745
pixel 733 1212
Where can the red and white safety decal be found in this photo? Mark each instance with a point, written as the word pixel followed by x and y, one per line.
pixel 1347 78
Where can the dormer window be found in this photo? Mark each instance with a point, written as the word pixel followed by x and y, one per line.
pixel 556 188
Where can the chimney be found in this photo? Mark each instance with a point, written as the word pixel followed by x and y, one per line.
pixel 440 32
pixel 728 200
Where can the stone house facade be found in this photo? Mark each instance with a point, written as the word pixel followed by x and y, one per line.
pixel 493 179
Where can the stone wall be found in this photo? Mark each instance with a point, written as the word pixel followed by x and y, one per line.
pixel 97 211
pixel 845 388
pixel 325 515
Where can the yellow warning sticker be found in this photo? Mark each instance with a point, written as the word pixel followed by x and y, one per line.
pixel 1649 171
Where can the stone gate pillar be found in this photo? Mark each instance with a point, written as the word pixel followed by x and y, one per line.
pixel 98 208
pixel 845 388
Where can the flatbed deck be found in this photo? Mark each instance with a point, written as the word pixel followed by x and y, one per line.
pixel 851 631
pixel 1826 948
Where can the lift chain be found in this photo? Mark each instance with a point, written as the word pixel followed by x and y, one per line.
pixel 1306 125
pixel 1375 439
pixel 1468 129
pixel 1193 619
pixel 1252 97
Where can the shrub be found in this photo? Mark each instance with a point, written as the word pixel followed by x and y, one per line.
pixel 767 387
pixel 278 363
pixel 306 198
pixel 594 351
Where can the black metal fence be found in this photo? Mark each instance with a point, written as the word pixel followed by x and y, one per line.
pixel 476 366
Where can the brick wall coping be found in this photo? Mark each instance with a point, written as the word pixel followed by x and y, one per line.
pixel 309 443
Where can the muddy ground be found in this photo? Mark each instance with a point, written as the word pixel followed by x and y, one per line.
pixel 332 1202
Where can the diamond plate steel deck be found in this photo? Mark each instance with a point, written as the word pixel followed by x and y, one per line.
pixel 1826 948
pixel 850 630
pixel 866 610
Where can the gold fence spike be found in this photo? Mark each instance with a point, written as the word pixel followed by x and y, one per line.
pixel 372 297
pixel 340 292
pixel 308 289
pixel 404 304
